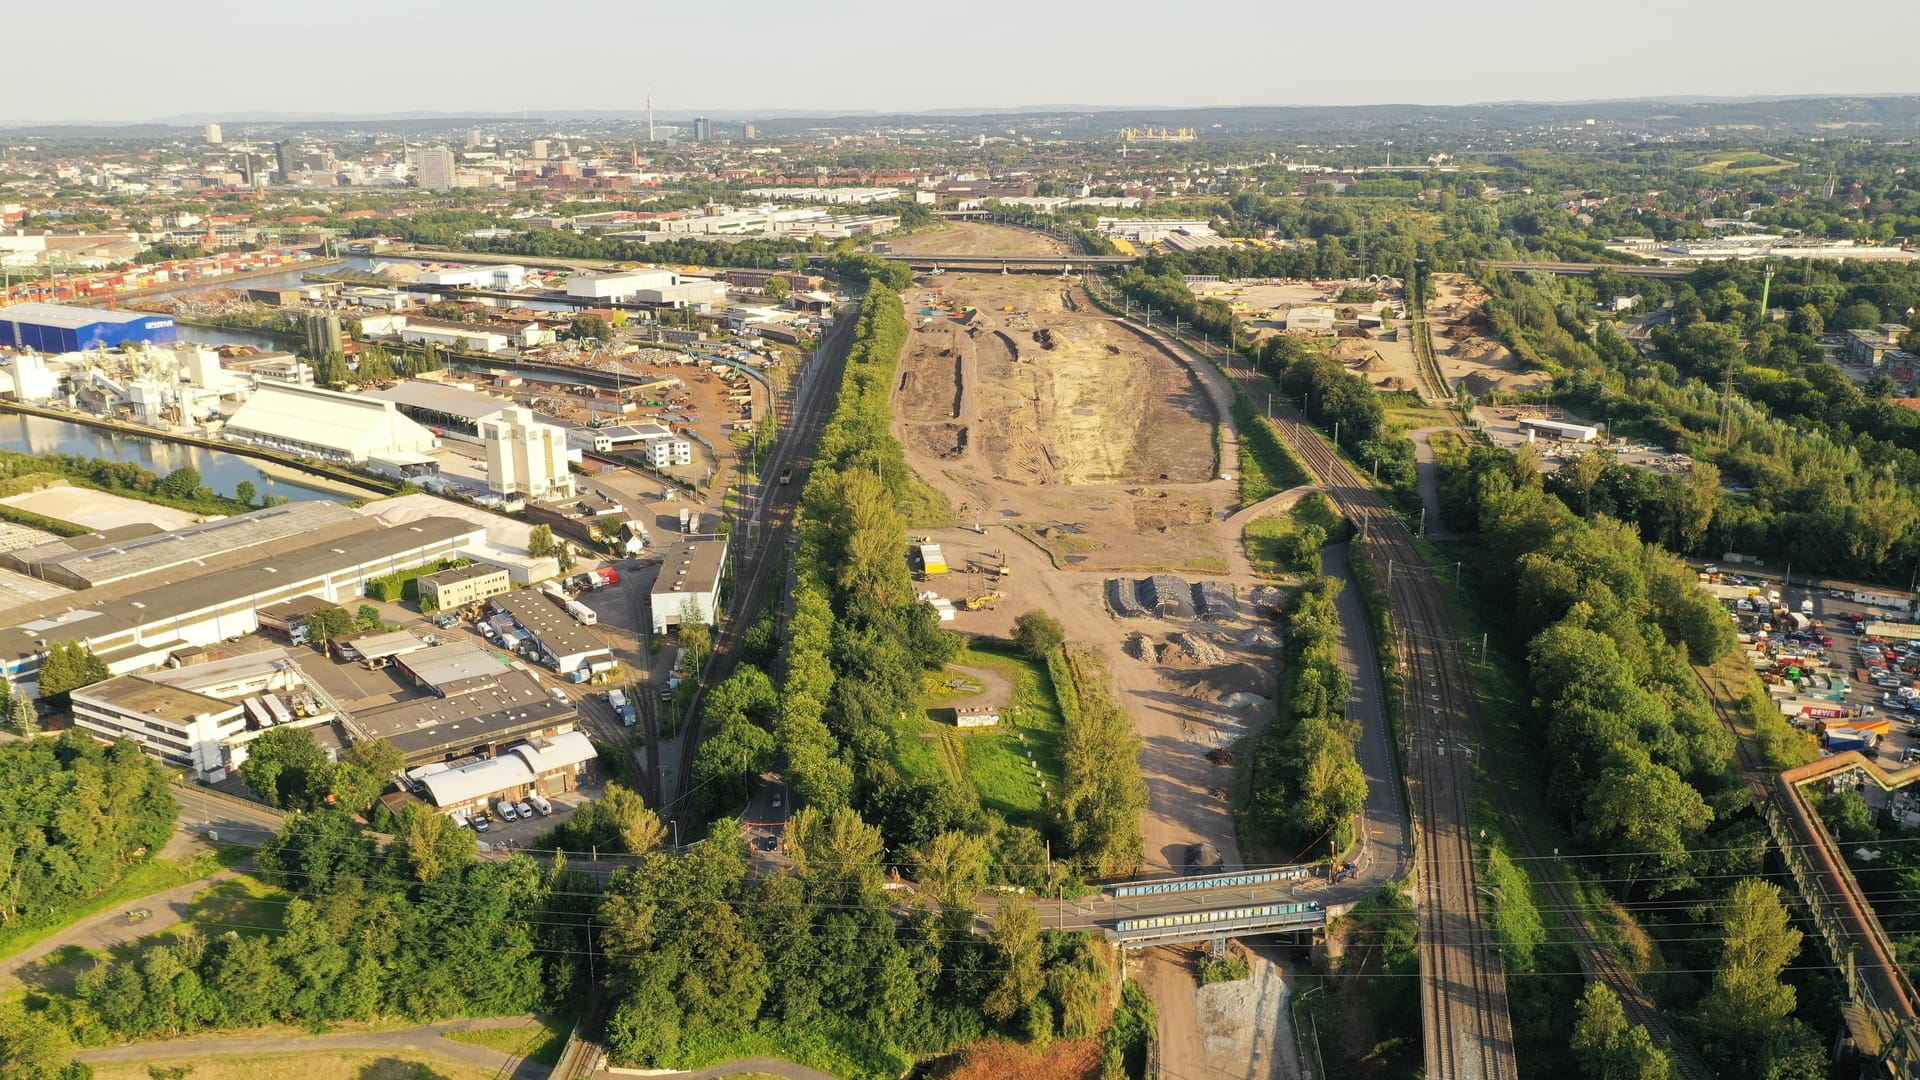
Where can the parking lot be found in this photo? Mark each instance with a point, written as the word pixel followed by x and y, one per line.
pixel 504 836
pixel 1876 678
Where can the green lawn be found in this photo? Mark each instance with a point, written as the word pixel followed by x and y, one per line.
pixel 141 879
pixel 993 763
pixel 245 903
pixel 1271 544
pixel 538 1043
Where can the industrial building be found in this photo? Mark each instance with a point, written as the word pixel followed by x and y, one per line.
pixel 136 624
pixel 656 442
pixel 1311 319
pixel 468 715
pixel 555 632
pixel 96 559
pixel 469 336
pixel 456 588
pixel 689 574
pixel 1534 427
pixel 526 457
pixel 200 717
pixel 619 286
pixel 505 276
pixel 544 766
pixel 51 328
pixel 329 426
pixel 450 406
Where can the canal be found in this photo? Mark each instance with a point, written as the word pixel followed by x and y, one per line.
pixel 218 469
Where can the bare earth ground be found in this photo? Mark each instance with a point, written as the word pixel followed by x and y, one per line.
pixel 99 509
pixel 1060 422
pixel 977 238
pixel 1462 345
pixel 991 417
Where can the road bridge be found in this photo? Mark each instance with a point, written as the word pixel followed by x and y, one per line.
pixel 1566 269
pixel 1216 925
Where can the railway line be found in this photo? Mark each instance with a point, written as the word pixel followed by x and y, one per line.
pixel 1467 1030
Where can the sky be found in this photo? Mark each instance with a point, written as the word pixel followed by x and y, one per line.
pixel 113 61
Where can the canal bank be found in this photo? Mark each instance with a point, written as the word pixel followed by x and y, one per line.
pixel 221 465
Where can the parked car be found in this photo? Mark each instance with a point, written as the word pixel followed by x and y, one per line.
pixel 524 809
pixel 507 812
pixel 482 822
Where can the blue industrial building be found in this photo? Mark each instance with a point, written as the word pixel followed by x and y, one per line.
pixel 56 329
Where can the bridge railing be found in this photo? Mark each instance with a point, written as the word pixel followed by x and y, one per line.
pixel 1166 886
pixel 1223 919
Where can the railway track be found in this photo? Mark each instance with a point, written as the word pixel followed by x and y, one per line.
pixel 1467 1030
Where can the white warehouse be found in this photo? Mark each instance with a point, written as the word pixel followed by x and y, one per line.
pixel 690 574
pixel 619 286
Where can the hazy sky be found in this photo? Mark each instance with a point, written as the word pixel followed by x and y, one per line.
pixel 132 60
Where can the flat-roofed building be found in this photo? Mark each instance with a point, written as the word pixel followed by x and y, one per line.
pixel 1556 429
pixel 456 588
pixel 689 575
pixel 135 625
pixel 618 286
pixel 456 668
pixel 326 425
pixel 458 406
pixel 544 766
pixel 96 559
pixel 570 645
pixel 479 721
pixel 179 727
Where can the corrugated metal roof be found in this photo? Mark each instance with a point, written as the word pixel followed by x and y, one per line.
pixel 516 768
pixel 72 318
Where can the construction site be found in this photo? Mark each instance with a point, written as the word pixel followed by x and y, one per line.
pixel 1081 459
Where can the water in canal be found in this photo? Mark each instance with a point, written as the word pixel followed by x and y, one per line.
pixel 218 470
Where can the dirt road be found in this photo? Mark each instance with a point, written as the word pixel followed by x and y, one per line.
pixel 126 922
pixel 426 1039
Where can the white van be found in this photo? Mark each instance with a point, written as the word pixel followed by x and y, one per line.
pixel 540 804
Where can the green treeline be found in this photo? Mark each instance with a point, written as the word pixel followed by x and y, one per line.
pixel 1793 459
pixel 180 488
pixel 1346 406
pixel 1638 766
pixel 419 931
pixel 74 815
pixel 1096 813
pixel 1267 464
pixel 1307 782
pixel 709 963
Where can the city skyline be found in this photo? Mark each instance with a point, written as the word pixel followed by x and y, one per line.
pixel 997 57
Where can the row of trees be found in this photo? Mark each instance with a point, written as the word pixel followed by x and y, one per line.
pixel 285 767
pixel 419 930
pixel 182 487
pixel 703 957
pixel 1096 812
pixel 74 817
pixel 1307 779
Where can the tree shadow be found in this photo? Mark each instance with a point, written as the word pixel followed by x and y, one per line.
pixel 393 1068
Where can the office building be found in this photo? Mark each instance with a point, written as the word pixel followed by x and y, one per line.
pixel 702 129
pixel 433 169
pixel 539 151
pixel 749 132
pixel 525 457
pixel 200 716
pixel 282 162
pixel 213 135
pixel 449 590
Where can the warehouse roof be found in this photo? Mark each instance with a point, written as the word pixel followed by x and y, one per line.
pixel 435 397
pixel 352 424
pixel 692 567
pixel 99 563
pixel 517 768
pixel 516 705
pixel 232 585
pixel 72 318
pixel 453 665
pixel 136 694
pixel 556 630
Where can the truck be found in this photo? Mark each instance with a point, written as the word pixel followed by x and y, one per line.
pixel 1842 740
pixel 623 706
pixel 581 613
pixel 686 520
pixel 1880 599
pixel 603 577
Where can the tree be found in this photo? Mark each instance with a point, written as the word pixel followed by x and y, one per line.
pixel 564 556
pixel 778 288
pixel 433 844
pixel 329 623
pixel 1039 635
pixel 1607 1047
pixel 1749 1007
pixel 591 327
pixel 182 483
pixel 696 637
pixel 952 867
pixel 1017 957
pixel 33 1047
pixel 244 492
pixel 540 543
pixel 330 371
pixel 285 767
pixel 68 666
pixel 23 713
pixel 634 822
pixel 369 618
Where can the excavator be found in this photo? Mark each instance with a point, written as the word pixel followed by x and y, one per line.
pixel 983 602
